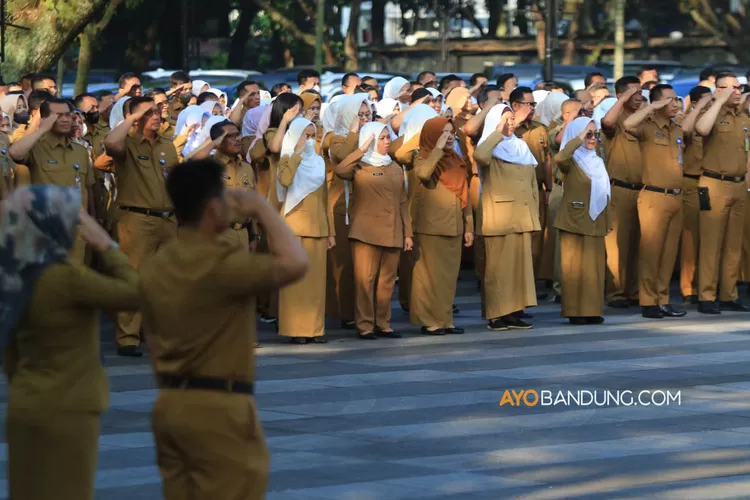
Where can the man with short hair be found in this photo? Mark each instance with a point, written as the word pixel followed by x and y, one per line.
pixel 507 83
pixel 146 221
pixel 26 82
pixel 160 98
pixel 129 85
pixel 308 79
pixel 280 88
pixel 726 141
pixel 53 158
pixel 450 82
pixel 427 79
pixel 648 74
pixel 199 301
pixel 248 97
pixel 371 81
pixel 43 82
pixel 179 83
pixel 207 96
pixel 593 78
pixel 350 82
pixel 660 200
pixel 598 92
pixel 95 133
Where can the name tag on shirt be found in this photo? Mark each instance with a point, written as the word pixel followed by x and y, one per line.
pixel 143 157
pixel 377 174
pixel 660 134
pixel 724 123
pixel 54 162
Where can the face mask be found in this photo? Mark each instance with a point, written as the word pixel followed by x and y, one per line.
pixel 21 117
pixel 84 129
pixel 92 116
pixel 316 88
pixel 309 147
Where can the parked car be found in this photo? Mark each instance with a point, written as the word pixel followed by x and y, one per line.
pixel 667 69
pixel 529 75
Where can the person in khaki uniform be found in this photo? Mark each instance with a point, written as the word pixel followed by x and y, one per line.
pixel 146 220
pixel 623 160
pixel 53 158
pixel 57 386
pixel 380 228
pixel 726 141
pixel 347 115
pixel 583 221
pixel 443 223
pixel 304 195
pixel 509 213
pixel 534 134
pixel 692 167
pixel 660 201
pixel 202 338
pixel 7 167
pixel 102 162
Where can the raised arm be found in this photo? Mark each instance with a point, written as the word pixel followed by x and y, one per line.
pixel 114 142
pixel 483 153
pixel 474 124
pixel 634 121
pixel 274 145
pixel 688 124
pixel 204 150
pixel 288 166
pixel 343 147
pixel 610 119
pixel 425 167
pixel 564 159
pixel 706 122
pixel 19 150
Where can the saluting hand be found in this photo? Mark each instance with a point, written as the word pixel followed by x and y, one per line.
pixel 300 146
pixel 422 100
pixel 137 115
pixel 291 114
pixel 49 122
pixel 523 113
pixel 246 202
pixel 442 140
pixel 408 244
pixel 367 144
pixel 661 104
pixel 220 139
pixel 354 125
pixel 630 92
pixel 723 95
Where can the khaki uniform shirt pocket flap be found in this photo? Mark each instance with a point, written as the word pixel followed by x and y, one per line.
pixel 502 198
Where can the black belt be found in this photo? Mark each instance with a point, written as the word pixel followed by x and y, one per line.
pixel 237 226
pixel 673 192
pixel 558 182
pixel 626 185
pixel 205 383
pixel 695 177
pixel 150 212
pixel 722 177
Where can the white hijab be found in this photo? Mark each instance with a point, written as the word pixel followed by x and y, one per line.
pixel 392 89
pixel 510 149
pixel 348 107
pixel 188 117
pixel 117 115
pixel 205 133
pixel 551 107
pixel 372 157
pixel 592 165
pixel 541 95
pixel 602 109
pixel 385 107
pixel 311 173
pixel 328 113
pixel 414 120
pixel 210 105
pixel 198 85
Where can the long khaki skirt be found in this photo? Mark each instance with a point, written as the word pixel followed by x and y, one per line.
pixel 583 266
pixel 433 287
pixel 509 275
pixel 302 305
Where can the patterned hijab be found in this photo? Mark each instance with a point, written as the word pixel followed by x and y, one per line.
pixel 451 169
pixel 37 228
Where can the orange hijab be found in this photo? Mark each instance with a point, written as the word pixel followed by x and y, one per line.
pixel 451 168
pixel 308 99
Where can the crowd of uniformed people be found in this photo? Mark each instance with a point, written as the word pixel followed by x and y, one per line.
pixel 183 213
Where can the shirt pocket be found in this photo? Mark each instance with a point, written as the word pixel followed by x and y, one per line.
pixel 660 141
pixel 51 166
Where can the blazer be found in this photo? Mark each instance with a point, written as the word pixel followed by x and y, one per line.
pixel 311 217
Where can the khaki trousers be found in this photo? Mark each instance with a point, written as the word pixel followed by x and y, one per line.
pixel 622 245
pixel 583 268
pixel 268 302
pixel 374 277
pixel 140 236
pixel 539 240
pixel 405 272
pixel 209 445
pixel 721 231
pixel 302 305
pixel 438 262
pixel 509 277
pixel 340 276
pixel 745 262
pixel 689 240
pixel 660 217
pixel 52 454
pixel 552 237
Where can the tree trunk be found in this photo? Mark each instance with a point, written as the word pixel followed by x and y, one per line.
pixel 378 23
pixel 351 43
pixel 85 54
pixel 495 8
pixel 52 27
pixel 570 43
pixel 241 34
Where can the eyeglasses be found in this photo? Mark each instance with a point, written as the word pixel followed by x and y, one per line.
pixel 591 134
pixel 365 115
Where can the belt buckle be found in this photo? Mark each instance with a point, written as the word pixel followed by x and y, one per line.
pixel 677 191
pixel 183 383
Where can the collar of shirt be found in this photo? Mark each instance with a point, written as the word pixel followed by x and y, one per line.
pixel 226 159
pixel 56 141
pixel 729 111
pixel 661 122
pixel 142 138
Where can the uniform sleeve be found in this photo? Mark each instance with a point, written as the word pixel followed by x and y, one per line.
pixel 425 167
pixel 341 149
pixel 483 153
pixel 564 159
pixel 468 219
pixel 179 144
pixel 244 273
pixel 405 216
pixel 288 166
pixel 346 168
pixel 259 151
pixel 114 290
pixel 90 181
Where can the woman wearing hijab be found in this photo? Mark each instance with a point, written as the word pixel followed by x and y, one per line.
pixel 189 124
pixel 117 115
pixel 398 89
pixel 311 104
pixel 437 100
pixel 49 326
pixel 508 214
pixel 380 228
pixel 14 108
pixel 303 192
pixel 348 114
pixel 200 86
pixel 213 108
pixel 583 221
pixel 443 223
pixel 404 150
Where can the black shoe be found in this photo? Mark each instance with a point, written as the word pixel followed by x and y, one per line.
pixel 367 336
pixel 652 312
pixel 267 319
pixel 455 330
pixel 708 307
pixel 456 309
pixel 405 308
pixel 522 314
pixel 439 331
pixel 734 305
pixel 558 299
pixel 689 300
pixel 542 296
pixel 318 340
pixel 577 320
pixel 388 335
pixel 670 312
pixel 548 284
pixel 497 325
pixel 299 340
pixel 349 325
pixel 516 324
pixel 130 351
pixel 633 302
pixel 594 320
pixel 618 304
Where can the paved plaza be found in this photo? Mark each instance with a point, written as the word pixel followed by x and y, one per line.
pixel 419 417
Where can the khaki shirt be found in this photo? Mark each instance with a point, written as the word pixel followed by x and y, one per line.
pixel 380 208
pixel 258 154
pixel 7 166
pixel 238 174
pixel 310 218
pixel 623 153
pixel 208 328
pixel 724 150
pixel 404 154
pixel 142 171
pixel 167 130
pixel 554 147
pixel 173 110
pixel 535 135
pixel 439 210
pixel 340 147
pixel 573 214
pixel 509 202
pixel 661 151
pixel 60 161
pixel 693 156
pixel 95 136
pixel 54 360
